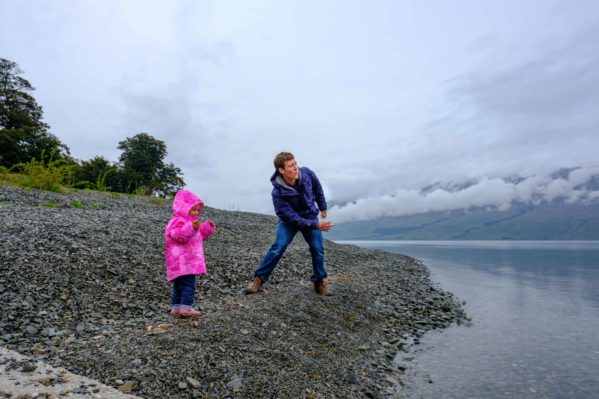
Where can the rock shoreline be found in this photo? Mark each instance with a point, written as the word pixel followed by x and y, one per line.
pixel 82 287
pixel 24 378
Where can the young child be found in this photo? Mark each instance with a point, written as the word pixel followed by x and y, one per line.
pixel 184 238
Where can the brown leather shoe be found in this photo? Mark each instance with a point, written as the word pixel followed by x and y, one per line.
pixel 255 287
pixel 321 288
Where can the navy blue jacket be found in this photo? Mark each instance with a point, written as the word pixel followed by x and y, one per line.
pixel 298 207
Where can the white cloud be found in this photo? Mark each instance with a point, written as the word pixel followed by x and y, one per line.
pixel 494 193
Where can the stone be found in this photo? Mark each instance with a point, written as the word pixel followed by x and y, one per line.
pixel 128 387
pixel 194 383
pixel 38 351
pixel 31 330
pixel 29 367
pixel 235 384
pixel 352 378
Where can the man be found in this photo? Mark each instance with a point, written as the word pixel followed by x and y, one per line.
pixel 297 197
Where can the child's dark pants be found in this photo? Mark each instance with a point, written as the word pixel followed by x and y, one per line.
pixel 184 288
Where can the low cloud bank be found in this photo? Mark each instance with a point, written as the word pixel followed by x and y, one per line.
pixel 487 192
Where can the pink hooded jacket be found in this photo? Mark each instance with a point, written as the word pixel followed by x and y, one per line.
pixel 184 244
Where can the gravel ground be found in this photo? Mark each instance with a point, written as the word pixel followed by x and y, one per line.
pixel 82 287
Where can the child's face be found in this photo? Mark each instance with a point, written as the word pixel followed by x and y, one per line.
pixel 195 211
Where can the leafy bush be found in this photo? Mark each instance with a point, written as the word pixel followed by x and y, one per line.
pixel 58 174
pixel 84 184
pixel 49 176
pixel 99 185
pixel 101 182
pixel 5 176
pixel 157 200
pixel 141 191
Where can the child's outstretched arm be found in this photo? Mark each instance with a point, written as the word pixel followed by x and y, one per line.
pixel 207 228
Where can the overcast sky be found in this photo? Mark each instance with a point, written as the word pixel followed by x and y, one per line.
pixel 380 98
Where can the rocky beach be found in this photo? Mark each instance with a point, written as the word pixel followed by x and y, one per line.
pixel 83 288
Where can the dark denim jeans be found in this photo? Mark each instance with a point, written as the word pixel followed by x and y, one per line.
pixel 184 288
pixel 285 234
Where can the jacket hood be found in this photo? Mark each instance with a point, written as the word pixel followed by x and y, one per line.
pixel 183 202
pixel 277 179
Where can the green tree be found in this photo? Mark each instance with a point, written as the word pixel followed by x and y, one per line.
pixel 95 173
pixel 23 133
pixel 142 167
pixel 172 180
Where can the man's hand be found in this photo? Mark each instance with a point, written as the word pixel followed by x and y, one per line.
pixel 323 214
pixel 196 224
pixel 325 226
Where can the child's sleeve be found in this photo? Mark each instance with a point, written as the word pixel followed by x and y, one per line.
pixel 207 228
pixel 182 230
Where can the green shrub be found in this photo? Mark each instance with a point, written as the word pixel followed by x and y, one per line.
pixel 6 178
pixel 94 206
pixel 85 185
pixel 37 174
pixel 141 191
pixel 157 200
pixel 50 204
pixel 101 182
pixel 77 204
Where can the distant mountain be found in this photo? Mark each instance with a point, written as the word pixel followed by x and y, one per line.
pixel 557 208
pixel 546 221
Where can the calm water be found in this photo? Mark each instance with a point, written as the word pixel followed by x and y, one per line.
pixel 535 320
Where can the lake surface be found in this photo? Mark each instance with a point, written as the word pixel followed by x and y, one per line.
pixel 535 320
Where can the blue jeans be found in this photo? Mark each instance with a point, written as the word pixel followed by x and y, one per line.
pixel 285 234
pixel 184 288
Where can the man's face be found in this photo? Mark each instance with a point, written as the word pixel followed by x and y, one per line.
pixel 290 171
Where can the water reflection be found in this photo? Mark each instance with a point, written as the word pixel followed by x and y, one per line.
pixel 535 311
pixel 565 267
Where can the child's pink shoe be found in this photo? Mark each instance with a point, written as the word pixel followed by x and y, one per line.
pixel 189 313
pixel 175 311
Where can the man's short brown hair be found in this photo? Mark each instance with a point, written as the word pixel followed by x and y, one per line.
pixel 281 158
